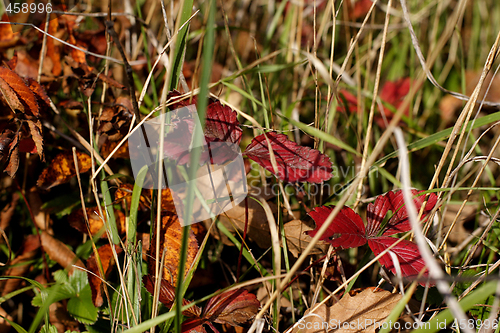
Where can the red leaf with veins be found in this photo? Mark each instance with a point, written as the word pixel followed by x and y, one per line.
pixel 222 124
pixel 233 307
pixel 294 163
pixel 407 252
pixel 400 222
pixel 346 230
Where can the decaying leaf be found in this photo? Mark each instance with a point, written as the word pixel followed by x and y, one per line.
pixel 258 227
pixel 297 239
pixel 294 163
pixel 62 169
pixel 361 313
pixel 167 296
pixel 19 266
pixel 77 220
pixel 60 253
pixel 462 228
pixel 234 307
pixel 95 279
pixel 170 242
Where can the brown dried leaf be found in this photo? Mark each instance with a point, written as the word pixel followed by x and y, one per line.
pixel 7 37
pixel 13 165
pixel 36 134
pixel 370 306
pixel 62 169
pixel 108 147
pixel 42 219
pixel 20 265
pixel 10 96
pixel 258 227
pixel 60 253
pixel 297 239
pixel 5 326
pixel 26 96
pixel 234 307
pixel 95 279
pixel 170 241
pixel 77 220
pixel 61 319
pixel 39 91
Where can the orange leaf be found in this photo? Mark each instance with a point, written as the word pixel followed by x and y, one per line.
pixel 77 221
pixel 10 96
pixel 20 88
pixel 53 52
pixel 170 240
pixel 7 37
pixel 95 279
pixel 60 253
pixel 62 169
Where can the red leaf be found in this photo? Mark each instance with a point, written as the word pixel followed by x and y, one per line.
pixel 294 163
pixel 167 295
pixel 233 307
pixel 376 213
pixel 399 222
pixel 346 230
pixel 407 252
pixel 193 325
pixel 222 124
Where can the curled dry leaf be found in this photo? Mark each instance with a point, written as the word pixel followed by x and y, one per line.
pixel 77 220
pixel 167 295
pixel 95 279
pixel 368 308
pixel 234 307
pixel 170 242
pixel 19 266
pixel 258 227
pixel 60 253
pixel 62 169
pixel 294 163
pixel 297 239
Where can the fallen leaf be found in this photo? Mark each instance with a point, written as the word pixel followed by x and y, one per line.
pixel 234 219
pixel 167 295
pixel 408 254
pixel 62 169
pixel 20 265
pixel 170 242
pixel 297 239
pixel 95 279
pixel 234 307
pixel 361 313
pixel 294 163
pixel 7 213
pixel 464 226
pixel 53 50
pixel 7 37
pixel 347 229
pixel 60 253
pixel 77 220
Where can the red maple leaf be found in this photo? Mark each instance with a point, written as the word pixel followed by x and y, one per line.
pixel 294 163
pixel 347 229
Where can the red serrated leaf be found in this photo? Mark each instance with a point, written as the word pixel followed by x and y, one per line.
pixel 193 325
pixel 346 230
pixel 233 307
pixel 222 124
pixel 294 163
pixel 407 252
pixel 167 295
pixel 26 96
pixel 399 222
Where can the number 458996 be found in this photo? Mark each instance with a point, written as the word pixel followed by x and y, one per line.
pixel 28 8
